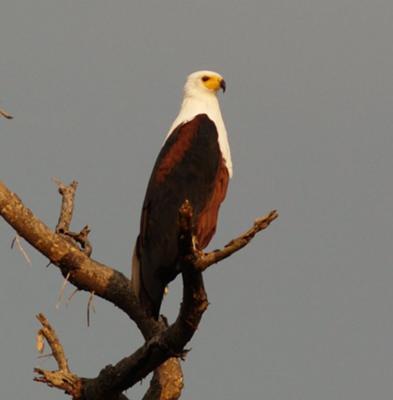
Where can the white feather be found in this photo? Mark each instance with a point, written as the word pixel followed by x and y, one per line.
pixel 200 100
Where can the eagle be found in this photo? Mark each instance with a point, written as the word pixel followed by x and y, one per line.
pixel 194 164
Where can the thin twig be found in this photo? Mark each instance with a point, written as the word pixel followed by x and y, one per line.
pixel 54 343
pixel 63 378
pixel 5 114
pixel 90 304
pixel 45 355
pixel 16 240
pixel 205 260
pixel 67 205
pixel 82 238
pixel 70 297
pixel 61 291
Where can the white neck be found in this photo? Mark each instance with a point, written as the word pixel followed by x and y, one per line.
pixel 206 103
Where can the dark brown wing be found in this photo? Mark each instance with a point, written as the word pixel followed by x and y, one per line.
pixel 189 166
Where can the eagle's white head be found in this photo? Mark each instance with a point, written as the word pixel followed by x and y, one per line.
pixel 201 83
pixel 200 97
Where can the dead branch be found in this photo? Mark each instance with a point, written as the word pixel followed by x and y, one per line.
pixel 82 238
pixel 67 193
pixel 70 297
pixel 61 291
pixel 167 382
pixel 5 114
pixel 16 240
pixel 113 380
pixel 90 306
pixel 203 261
pixel 62 378
pixel 200 260
pixel 57 349
pixel 162 343
pixel 67 204
pixel 169 343
pixel 85 273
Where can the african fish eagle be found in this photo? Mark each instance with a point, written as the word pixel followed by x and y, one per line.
pixel 195 164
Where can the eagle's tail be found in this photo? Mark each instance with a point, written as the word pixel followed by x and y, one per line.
pixel 151 307
pixel 136 273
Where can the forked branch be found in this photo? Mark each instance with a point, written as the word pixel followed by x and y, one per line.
pixel 62 378
pixel 162 343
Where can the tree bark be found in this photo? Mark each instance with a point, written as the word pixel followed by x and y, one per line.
pixel 164 345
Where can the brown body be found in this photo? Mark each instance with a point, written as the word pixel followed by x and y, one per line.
pixel 189 166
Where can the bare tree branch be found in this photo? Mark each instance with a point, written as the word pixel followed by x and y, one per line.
pixel 61 291
pixel 204 261
pixel 85 273
pixel 67 205
pixel 67 193
pixel 163 344
pixel 16 240
pixel 82 238
pixel 90 306
pixel 113 380
pixel 5 114
pixel 62 378
pixel 167 382
pixel 57 349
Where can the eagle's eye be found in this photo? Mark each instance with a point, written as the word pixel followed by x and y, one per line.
pixel 205 78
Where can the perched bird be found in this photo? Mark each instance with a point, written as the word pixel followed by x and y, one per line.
pixel 195 164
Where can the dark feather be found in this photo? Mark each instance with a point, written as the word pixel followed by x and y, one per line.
pixel 189 166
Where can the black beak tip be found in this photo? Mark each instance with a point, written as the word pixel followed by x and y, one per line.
pixel 223 85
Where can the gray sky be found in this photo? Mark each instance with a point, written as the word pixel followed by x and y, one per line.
pixel 305 312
